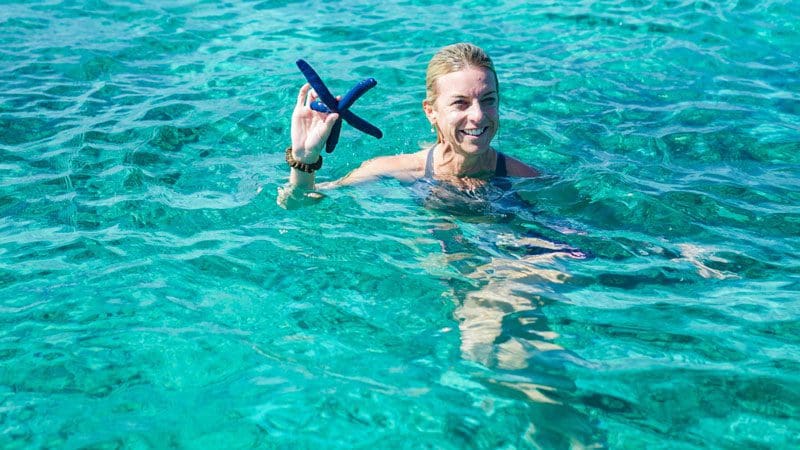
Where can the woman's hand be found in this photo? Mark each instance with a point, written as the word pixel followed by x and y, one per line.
pixel 310 129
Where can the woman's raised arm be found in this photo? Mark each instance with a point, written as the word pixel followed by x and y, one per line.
pixel 310 130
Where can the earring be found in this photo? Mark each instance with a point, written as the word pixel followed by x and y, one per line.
pixel 433 130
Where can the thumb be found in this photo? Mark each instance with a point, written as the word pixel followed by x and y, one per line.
pixel 330 120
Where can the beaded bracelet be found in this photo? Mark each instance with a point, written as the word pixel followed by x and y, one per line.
pixel 309 168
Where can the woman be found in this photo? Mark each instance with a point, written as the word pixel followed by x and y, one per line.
pixel 462 100
pixel 462 106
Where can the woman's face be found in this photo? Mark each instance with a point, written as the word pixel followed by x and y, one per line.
pixel 465 110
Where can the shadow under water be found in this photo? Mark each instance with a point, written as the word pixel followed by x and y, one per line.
pixel 508 275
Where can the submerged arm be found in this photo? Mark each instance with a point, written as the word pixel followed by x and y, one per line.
pixel 302 190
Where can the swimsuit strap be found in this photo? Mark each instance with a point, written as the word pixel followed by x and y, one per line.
pixel 500 170
pixel 429 164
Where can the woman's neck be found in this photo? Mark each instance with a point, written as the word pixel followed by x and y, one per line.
pixel 448 162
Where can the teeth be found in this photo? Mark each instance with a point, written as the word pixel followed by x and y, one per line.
pixel 475 132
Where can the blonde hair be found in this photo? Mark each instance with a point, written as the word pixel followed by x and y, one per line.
pixel 453 58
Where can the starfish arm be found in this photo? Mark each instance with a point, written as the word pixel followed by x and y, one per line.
pixel 347 101
pixel 327 103
pixel 356 92
pixel 319 87
pixel 317 105
pixel 361 124
pixel 333 138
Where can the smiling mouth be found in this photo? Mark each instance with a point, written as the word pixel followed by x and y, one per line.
pixel 475 132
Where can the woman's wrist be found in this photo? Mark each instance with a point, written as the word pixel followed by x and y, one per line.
pixel 303 155
pixel 308 167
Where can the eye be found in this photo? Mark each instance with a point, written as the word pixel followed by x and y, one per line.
pixel 489 100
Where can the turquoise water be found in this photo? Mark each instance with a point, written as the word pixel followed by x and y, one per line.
pixel 643 295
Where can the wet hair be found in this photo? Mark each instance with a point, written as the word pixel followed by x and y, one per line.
pixel 453 58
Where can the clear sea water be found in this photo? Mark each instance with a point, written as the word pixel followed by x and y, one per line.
pixel 643 294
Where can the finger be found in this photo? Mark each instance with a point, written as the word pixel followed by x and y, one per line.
pixel 330 120
pixel 303 93
pixel 312 95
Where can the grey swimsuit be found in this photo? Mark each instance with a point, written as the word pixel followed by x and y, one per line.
pixel 499 170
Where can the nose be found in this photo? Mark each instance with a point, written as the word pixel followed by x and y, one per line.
pixel 476 112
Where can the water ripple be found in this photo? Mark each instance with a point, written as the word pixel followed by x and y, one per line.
pixel 628 296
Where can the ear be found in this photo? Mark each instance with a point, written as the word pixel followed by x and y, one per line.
pixel 430 113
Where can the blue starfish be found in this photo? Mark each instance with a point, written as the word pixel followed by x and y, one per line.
pixel 327 103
